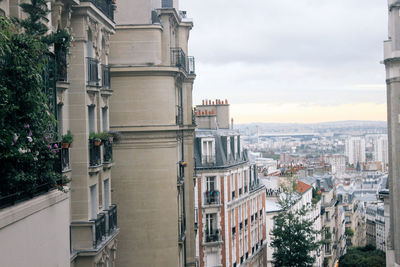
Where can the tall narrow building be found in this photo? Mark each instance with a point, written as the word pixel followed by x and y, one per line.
pixel 355 149
pixel 230 200
pixel 392 64
pixel 152 79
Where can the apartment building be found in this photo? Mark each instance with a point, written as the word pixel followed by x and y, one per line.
pixel 392 65
pixel 229 199
pixel 371 225
pixel 151 108
pixel 333 221
pixel 355 149
pixel 380 144
pixel 81 94
pixel 338 163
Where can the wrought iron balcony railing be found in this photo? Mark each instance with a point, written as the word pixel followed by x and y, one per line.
pixel 99 229
pixel 61 59
pixel 106 78
pixel 112 218
pixel 105 6
pixel 212 197
pixel 61 163
pixel 92 70
pixel 107 151
pixel 191 65
pixel 208 160
pixel 179 115
pixel 213 236
pixel 180 60
pixel 94 154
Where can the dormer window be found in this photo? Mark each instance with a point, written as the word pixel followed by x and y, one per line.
pixel 208 151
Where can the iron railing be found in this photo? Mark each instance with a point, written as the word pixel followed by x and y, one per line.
pixel 92 70
pixel 208 160
pixel 106 78
pixel 179 115
pixel 62 161
pixel 61 59
pixel 94 154
pixel 180 60
pixel 105 6
pixel 213 236
pixel 212 197
pixel 107 151
pixel 182 228
pixel 112 218
pixel 99 229
pixel 191 65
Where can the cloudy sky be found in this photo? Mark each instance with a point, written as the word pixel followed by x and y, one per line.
pixel 291 61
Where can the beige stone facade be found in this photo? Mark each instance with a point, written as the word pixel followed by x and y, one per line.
pixel 392 64
pixel 83 91
pixel 151 107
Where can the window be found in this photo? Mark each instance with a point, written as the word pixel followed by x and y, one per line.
pixel 60 119
pixel 93 202
pixel 208 151
pixel 104 115
pixel 211 186
pixel 92 119
pixel 106 193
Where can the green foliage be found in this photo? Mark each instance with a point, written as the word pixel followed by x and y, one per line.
pixel 95 136
pixel 68 138
pixel 293 236
pixel 26 154
pixel 316 196
pixel 37 11
pixel 349 231
pixel 366 256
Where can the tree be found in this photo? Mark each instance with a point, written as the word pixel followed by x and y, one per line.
pixel 293 235
pixel 27 144
pixel 366 256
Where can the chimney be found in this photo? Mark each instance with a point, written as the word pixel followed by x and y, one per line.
pixel 232 123
pixel 226 101
pixel 203 102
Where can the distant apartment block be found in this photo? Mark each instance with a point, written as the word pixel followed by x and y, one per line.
pixel 355 150
pixel 229 200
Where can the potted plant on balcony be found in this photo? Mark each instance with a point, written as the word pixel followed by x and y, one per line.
pixel 96 138
pixel 67 140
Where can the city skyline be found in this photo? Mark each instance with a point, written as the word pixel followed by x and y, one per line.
pixel 319 62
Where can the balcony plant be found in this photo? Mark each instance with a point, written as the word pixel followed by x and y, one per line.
pixel 27 123
pixel 96 138
pixel 67 139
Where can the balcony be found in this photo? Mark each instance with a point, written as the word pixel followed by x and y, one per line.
pixel 92 235
pixel 180 60
pixel 112 218
pixel 105 6
pixel 212 198
pixel 208 160
pixel 213 237
pixel 99 229
pixel 106 76
pixel 107 151
pixel 191 65
pixel 182 229
pixel 179 115
pixel 62 161
pixel 94 154
pixel 61 60
pixel 92 72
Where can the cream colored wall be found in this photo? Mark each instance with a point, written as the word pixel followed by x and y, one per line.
pixel 5 7
pixel 137 45
pixel 36 232
pixel 145 189
pixel 135 12
pixel 143 100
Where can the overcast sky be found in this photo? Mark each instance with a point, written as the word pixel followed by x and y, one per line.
pixel 291 61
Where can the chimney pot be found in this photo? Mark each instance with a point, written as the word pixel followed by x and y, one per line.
pixel 203 102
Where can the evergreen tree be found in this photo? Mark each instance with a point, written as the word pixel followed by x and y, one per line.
pixel 293 235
